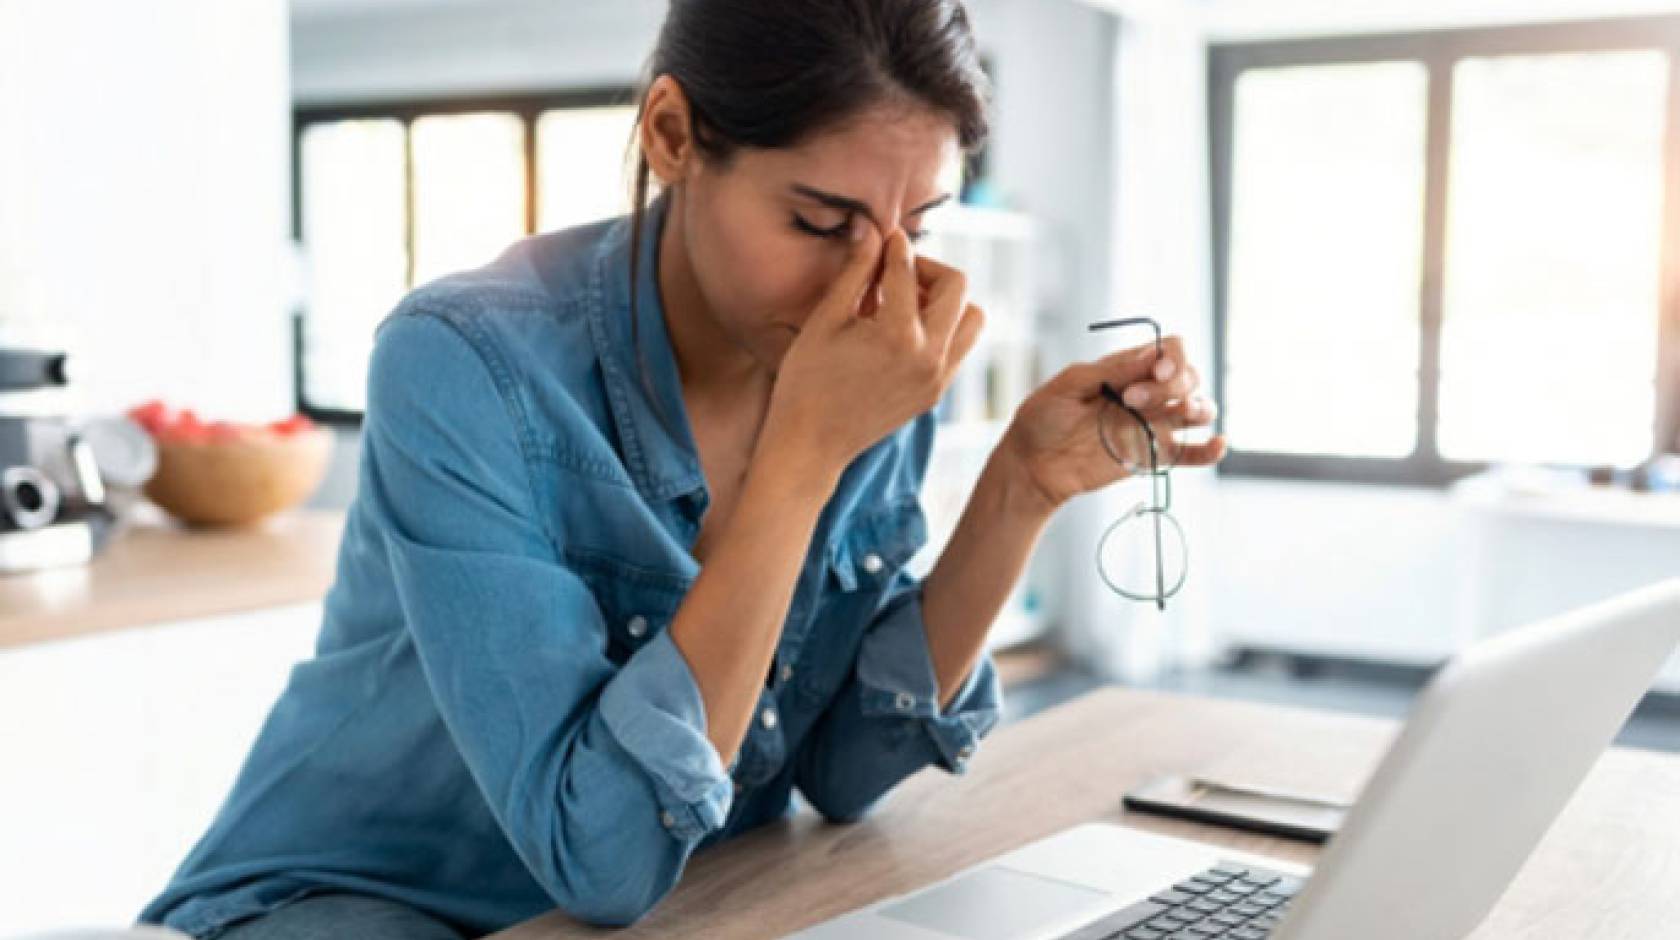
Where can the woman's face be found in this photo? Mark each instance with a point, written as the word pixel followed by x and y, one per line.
pixel 767 234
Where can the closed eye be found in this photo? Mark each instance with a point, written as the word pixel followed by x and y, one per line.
pixel 800 223
pixel 838 231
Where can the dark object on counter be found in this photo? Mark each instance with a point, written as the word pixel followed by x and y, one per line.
pixel 1272 812
pixel 22 369
pixel 45 521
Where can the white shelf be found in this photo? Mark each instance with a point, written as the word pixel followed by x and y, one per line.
pixel 996 249
pixel 1562 502
pixel 1536 545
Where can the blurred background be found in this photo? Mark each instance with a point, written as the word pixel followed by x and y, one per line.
pixel 1426 252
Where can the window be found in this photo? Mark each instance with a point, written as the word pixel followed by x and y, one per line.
pixel 1442 250
pixel 1328 217
pixel 1554 224
pixel 391 196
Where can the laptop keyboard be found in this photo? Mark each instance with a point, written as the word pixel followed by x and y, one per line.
pixel 1230 902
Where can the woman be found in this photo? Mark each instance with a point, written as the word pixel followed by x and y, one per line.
pixel 625 567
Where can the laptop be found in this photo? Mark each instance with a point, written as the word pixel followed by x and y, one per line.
pixel 1495 745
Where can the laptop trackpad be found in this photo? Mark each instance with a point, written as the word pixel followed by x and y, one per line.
pixel 995 903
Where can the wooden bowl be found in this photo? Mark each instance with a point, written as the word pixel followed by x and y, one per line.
pixel 238 482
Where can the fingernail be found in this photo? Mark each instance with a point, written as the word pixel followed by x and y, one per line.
pixel 1137 397
pixel 1164 369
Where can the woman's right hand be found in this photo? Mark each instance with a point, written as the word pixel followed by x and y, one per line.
pixel 854 374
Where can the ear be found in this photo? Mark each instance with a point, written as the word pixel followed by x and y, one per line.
pixel 664 132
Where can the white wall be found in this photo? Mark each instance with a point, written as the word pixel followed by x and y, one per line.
pixel 144 202
pixel 353 52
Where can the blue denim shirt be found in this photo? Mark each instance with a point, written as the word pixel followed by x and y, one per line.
pixel 495 721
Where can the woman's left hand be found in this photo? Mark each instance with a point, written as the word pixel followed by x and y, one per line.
pixel 1054 440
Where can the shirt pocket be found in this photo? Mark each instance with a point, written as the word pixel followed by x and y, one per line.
pixel 636 601
pixel 861 563
pixel 878 544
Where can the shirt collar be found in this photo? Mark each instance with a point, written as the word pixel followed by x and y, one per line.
pixel 661 454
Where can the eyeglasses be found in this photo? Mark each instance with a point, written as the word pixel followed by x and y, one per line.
pixel 1148 531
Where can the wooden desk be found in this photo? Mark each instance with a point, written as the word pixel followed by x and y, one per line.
pixel 1609 868
pixel 153 571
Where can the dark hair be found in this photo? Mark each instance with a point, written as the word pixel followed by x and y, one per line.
pixel 772 73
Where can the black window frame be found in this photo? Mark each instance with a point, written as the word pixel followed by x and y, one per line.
pixel 1438 51
pixel 527 106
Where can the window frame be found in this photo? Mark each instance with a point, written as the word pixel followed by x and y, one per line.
pixel 528 107
pixel 1438 51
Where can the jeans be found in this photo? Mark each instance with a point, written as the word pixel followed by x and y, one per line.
pixel 339 915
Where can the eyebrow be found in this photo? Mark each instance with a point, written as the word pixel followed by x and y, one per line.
pixel 835 201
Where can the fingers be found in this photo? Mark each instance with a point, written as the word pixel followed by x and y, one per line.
pixel 899 309
pixel 1193 411
pixel 1203 454
pixel 1167 378
pixel 856 278
pixel 946 290
pixel 963 338
pixel 1119 369
pixel 1081 379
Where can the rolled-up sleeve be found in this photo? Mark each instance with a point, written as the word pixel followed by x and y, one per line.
pixel 885 722
pixel 896 679
pixel 600 775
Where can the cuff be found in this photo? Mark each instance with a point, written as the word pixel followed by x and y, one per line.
pixel 653 707
pixel 895 673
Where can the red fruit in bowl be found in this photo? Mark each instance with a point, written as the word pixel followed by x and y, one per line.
pixel 234 473
pixel 152 415
pixel 166 425
pixel 224 431
pixel 184 428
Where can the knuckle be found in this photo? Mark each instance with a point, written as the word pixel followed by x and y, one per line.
pixel 928 367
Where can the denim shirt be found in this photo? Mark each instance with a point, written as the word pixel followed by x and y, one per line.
pixel 495 721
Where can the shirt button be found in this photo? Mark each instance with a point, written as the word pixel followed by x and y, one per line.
pixel 667 820
pixel 872 563
pixel 787 673
pixel 637 626
pixel 905 701
pixel 966 752
pixel 768 718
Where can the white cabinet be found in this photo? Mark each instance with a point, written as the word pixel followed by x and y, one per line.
pixel 118 748
pixel 1532 552
pixel 1417 575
